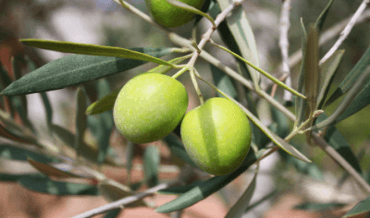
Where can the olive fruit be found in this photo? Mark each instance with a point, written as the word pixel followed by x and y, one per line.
pixel 170 16
pixel 149 107
pixel 217 136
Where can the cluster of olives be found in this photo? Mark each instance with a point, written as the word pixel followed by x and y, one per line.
pixel 216 135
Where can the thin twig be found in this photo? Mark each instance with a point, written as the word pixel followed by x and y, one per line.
pixel 346 31
pixel 118 204
pixel 284 45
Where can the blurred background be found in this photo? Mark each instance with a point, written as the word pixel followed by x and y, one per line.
pixel 103 22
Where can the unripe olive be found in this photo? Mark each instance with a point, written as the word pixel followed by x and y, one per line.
pixel 170 16
pixel 217 136
pixel 149 107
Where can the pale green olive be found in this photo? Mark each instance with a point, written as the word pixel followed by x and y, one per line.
pixel 217 136
pixel 170 16
pixel 149 107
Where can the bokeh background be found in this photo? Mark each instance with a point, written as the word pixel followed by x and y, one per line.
pixel 104 22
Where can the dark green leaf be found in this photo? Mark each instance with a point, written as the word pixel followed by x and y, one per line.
pixel 45 185
pixel 151 165
pixel 178 190
pixel 327 72
pixel 15 153
pixel 76 69
pixel 321 19
pixel 5 177
pixel 204 9
pixel 88 49
pixel 361 100
pixel 113 213
pixel 69 139
pixel 361 207
pixel 48 108
pixel 318 206
pixel 339 143
pixel 129 156
pixel 223 82
pixel 206 188
pixel 177 147
pixel 351 78
pixel 81 122
pixel 237 210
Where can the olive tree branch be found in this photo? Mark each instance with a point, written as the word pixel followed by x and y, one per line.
pixel 284 46
pixel 345 32
pixel 327 35
pixel 206 56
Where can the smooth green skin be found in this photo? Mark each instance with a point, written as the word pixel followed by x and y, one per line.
pixel 170 16
pixel 217 136
pixel 149 107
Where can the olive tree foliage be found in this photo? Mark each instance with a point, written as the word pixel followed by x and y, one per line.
pixel 298 102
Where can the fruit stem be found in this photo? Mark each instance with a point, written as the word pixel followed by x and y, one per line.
pixel 180 72
pixel 195 84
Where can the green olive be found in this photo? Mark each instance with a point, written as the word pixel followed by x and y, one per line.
pixel 149 107
pixel 170 16
pixel 217 136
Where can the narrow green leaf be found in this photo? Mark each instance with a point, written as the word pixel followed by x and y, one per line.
pixel 15 153
pixel 362 100
pixel 88 49
pixel 311 74
pixel 237 210
pixel 357 87
pixel 327 71
pixel 81 121
pixel 178 190
pixel 205 188
pixel 114 192
pixel 45 100
pixel 129 155
pixel 113 213
pixel 5 177
pixel 14 131
pixel 223 82
pixel 339 143
pixel 243 35
pixel 104 104
pixel 177 147
pixel 76 69
pixel 321 19
pixel 318 206
pixel 50 170
pixel 266 197
pixel 191 9
pixel 48 108
pixel 151 165
pixel 351 78
pixel 361 207
pixel 43 184
pixel 69 139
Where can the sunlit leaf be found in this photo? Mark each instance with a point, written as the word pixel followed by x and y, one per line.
pixel 244 37
pixel 104 104
pixel 88 49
